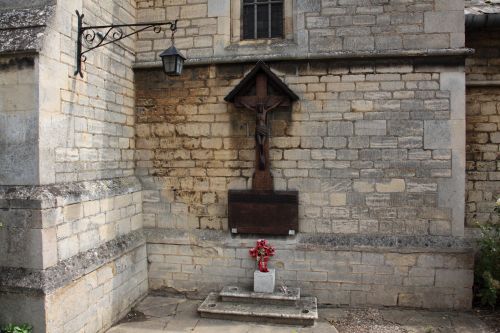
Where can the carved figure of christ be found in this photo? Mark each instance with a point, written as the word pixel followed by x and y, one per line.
pixel 261 104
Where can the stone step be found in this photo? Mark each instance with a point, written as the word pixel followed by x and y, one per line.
pixel 247 295
pixel 304 312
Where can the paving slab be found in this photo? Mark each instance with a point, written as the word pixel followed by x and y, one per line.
pixel 158 306
pixel 152 325
pixel 219 326
pixel 174 314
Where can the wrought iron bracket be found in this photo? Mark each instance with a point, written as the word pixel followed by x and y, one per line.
pixel 90 37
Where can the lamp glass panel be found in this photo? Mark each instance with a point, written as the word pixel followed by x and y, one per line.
pixel 169 64
pixel 180 63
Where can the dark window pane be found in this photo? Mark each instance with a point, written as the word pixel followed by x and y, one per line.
pixel 248 22
pixel 263 21
pixel 277 20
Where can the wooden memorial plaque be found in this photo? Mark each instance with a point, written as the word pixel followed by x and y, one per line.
pixel 264 212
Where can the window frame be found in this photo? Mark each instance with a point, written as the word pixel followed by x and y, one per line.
pixel 269 4
pixel 236 24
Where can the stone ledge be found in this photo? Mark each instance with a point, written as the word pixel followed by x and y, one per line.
pixel 282 56
pixel 486 83
pixel 306 241
pixel 57 195
pixel 40 282
pixel 23 24
pixel 247 295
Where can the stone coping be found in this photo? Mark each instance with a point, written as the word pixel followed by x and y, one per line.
pixel 40 282
pixel 482 7
pixel 492 83
pixel 57 195
pixel 309 241
pixel 282 56
pixel 11 4
pixel 22 25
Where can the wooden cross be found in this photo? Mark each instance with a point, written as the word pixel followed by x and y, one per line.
pixel 262 104
pixel 261 91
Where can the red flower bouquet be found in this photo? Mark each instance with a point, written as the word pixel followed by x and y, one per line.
pixel 261 252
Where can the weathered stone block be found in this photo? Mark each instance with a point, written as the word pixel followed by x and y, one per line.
pixel 444 21
pixel 264 282
pixel 459 278
pixel 358 43
pixel 340 128
pixel 425 41
pixel 394 185
pixel 437 134
pixel 73 212
pixel 370 127
pixel 217 8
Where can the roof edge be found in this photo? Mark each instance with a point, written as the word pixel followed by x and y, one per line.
pixel 260 66
pixel 484 21
pixel 364 55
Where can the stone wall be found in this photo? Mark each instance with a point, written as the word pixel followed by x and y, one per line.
pixel 95 112
pixel 100 298
pixel 58 239
pixel 93 117
pixel 483 127
pixel 211 28
pixel 376 150
pixel 400 271
pixel 87 293
pixel 18 119
pixel 371 147
pixel 79 213
pixel 89 224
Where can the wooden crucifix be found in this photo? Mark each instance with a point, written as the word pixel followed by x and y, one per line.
pixel 261 91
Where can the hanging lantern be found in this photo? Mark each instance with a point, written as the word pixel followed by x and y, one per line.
pixel 173 61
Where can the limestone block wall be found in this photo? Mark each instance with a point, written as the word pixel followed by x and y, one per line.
pixel 42 226
pixel 88 224
pixel 400 271
pixel 100 298
pixel 90 300
pixel 372 148
pixel 375 148
pixel 80 212
pixel 18 119
pixel 94 114
pixel 211 28
pixel 483 127
pixel 56 243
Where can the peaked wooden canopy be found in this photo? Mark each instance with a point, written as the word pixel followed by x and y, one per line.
pixel 246 86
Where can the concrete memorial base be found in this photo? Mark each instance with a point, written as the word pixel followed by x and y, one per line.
pixel 240 303
pixel 264 282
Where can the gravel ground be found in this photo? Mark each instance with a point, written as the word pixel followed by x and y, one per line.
pixel 391 320
pixel 365 321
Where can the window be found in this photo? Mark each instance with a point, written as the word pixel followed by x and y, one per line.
pixel 262 19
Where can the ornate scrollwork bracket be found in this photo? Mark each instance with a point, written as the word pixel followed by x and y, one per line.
pixel 92 37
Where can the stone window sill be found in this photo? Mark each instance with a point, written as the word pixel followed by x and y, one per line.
pixel 258 45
